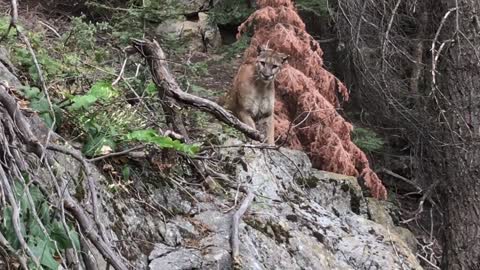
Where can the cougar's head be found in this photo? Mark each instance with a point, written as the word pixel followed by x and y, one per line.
pixel 269 62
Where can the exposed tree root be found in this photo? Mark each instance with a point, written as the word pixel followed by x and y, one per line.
pixel 16 142
pixel 234 241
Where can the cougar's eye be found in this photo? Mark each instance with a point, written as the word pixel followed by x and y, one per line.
pixel 262 63
pixel 274 66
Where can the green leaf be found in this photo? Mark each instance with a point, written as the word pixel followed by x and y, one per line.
pixel 102 90
pixel 40 105
pixel 150 136
pixel 7 228
pixel 43 212
pixel 21 195
pixel 34 229
pixel 43 250
pixel 151 89
pixel 31 92
pixel 99 91
pixel 93 145
pixel 82 102
pixel 126 172
pixel 60 235
pixel 36 194
pixel 47 119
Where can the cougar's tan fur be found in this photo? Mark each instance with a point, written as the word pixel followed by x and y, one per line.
pixel 252 96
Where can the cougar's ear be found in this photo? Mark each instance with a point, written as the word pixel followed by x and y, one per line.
pixel 260 48
pixel 284 57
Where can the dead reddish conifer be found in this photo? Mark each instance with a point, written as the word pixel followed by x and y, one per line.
pixel 306 94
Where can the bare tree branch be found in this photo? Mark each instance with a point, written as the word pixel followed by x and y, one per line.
pixel 235 243
pixel 163 78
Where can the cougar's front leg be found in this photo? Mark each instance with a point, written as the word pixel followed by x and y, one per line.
pixel 270 130
pixel 245 117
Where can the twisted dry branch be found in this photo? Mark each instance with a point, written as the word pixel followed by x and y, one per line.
pixel 163 78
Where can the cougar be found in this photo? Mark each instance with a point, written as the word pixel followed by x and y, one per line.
pixel 252 96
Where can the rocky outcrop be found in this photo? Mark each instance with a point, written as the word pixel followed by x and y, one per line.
pixel 199 33
pixel 301 219
pixel 193 6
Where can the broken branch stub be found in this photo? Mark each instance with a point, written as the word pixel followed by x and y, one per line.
pixel 163 78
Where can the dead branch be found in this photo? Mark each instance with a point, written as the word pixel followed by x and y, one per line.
pixel 91 184
pixel 399 177
pixel 87 226
pixel 164 80
pixel 21 123
pixel 116 154
pixel 235 243
pixel 242 145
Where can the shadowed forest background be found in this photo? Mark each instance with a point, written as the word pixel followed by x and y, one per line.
pixel 114 152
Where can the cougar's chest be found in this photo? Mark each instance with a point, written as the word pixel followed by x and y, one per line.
pixel 262 105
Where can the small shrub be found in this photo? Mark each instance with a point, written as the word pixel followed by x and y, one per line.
pixel 237 47
pixel 230 12
pixel 39 103
pixel 367 140
pixel 319 7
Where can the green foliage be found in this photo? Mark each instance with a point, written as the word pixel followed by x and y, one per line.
pixel 367 140
pixel 50 67
pixel 126 172
pixel 231 12
pixel 99 116
pixel 83 34
pixel 237 47
pixel 4 24
pixel 151 89
pixel 150 136
pixel 107 129
pixel 159 10
pixel 103 122
pixel 198 68
pixel 319 7
pixel 39 103
pixel 100 91
pixel 42 244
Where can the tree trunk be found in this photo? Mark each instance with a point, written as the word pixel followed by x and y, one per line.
pixel 442 125
pixel 460 82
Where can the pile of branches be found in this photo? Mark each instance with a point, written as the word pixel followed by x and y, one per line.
pixel 28 164
pixel 306 94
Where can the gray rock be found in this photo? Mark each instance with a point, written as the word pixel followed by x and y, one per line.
pixel 379 211
pixel 165 257
pixel 200 35
pixel 6 68
pixel 193 6
pixel 301 219
pixel 336 192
